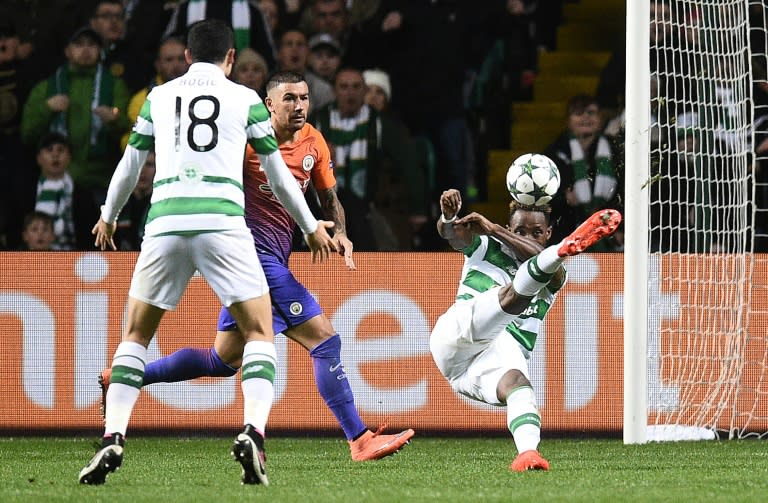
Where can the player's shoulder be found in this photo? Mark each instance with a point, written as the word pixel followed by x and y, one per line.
pixel 310 134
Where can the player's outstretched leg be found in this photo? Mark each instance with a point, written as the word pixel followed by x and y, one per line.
pixel 529 460
pixel 249 451
pixel 601 224
pixel 374 445
pixel 105 461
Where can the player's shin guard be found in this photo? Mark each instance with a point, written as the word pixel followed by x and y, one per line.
pixel 535 273
pixel 523 418
pixel 333 386
pixel 127 378
pixel 258 376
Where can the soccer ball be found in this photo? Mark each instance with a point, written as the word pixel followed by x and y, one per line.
pixel 533 179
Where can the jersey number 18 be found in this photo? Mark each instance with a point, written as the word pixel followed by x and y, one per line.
pixel 196 121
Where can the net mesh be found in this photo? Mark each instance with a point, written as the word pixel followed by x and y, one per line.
pixel 707 342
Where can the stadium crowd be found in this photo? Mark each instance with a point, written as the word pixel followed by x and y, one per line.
pixel 410 95
pixel 81 69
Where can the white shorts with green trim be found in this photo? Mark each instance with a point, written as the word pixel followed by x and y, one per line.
pixel 226 259
pixel 472 349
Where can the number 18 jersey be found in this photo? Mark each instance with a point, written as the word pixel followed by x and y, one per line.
pixel 198 125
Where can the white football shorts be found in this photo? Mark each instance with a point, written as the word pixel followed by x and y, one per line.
pixel 226 259
pixel 473 350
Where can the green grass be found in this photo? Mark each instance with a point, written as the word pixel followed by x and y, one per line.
pixel 430 469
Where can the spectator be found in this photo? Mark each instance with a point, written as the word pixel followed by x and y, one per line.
pixel 49 188
pixel 379 89
pixel 520 45
pixel 38 232
pixel 421 185
pixel 428 85
pixel 85 103
pixel 327 16
pixel 587 164
pixel 250 70
pixel 665 53
pixel 680 208
pixel 247 20
pixel 133 217
pixel 271 12
pixel 13 90
pixel 324 56
pixel 169 64
pixel 374 166
pixel 145 25
pixel 43 28
pixel 108 20
pixel 292 56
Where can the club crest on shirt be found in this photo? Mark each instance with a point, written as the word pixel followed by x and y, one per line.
pixel 296 308
pixel 308 162
pixel 190 173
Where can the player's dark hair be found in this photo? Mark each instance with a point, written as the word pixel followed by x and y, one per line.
pixel 544 208
pixel 284 77
pixel 209 41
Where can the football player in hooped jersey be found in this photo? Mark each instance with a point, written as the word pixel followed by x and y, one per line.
pixel 482 343
pixel 198 125
pixel 295 312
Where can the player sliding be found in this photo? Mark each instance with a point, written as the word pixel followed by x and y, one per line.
pixel 508 283
pixel 295 312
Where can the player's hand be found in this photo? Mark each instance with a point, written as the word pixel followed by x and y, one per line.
pixel 344 246
pixel 450 203
pixel 477 223
pixel 104 233
pixel 320 242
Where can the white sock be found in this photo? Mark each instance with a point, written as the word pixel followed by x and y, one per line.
pixel 523 419
pixel 124 386
pixel 258 375
pixel 535 273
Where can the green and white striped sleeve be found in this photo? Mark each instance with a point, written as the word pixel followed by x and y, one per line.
pixel 259 130
pixel 143 133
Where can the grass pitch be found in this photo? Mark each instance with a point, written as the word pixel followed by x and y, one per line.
pixel 309 470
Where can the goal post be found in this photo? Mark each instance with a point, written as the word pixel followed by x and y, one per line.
pixel 695 292
pixel 636 155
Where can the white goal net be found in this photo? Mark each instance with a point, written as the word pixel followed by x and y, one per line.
pixel 707 276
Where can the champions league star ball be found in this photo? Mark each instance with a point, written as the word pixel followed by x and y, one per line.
pixel 533 179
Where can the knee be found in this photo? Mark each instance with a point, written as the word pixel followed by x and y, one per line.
pixel 511 301
pixel 510 381
pixel 329 347
pixel 227 370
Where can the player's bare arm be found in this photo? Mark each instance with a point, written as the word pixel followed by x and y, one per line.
pixel 458 236
pixel 123 181
pixel 334 211
pixel 524 247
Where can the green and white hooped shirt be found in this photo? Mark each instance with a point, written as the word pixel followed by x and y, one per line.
pixel 198 125
pixel 488 264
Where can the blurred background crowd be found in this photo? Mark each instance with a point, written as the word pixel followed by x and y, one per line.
pixel 411 95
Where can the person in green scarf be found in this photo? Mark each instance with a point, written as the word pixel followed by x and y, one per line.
pixel 588 167
pixel 86 104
